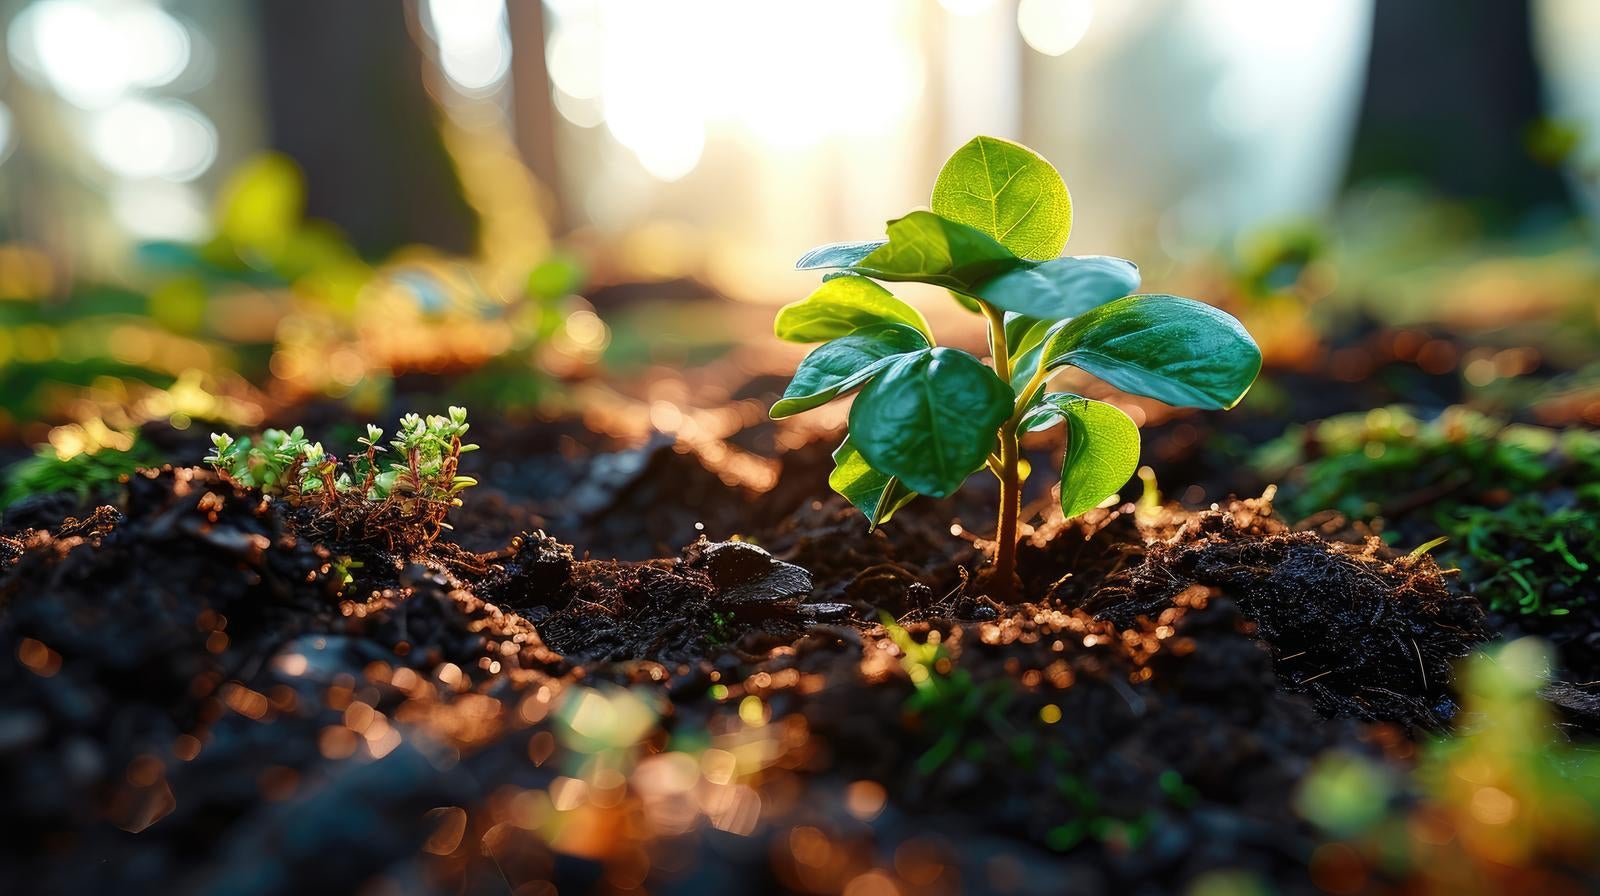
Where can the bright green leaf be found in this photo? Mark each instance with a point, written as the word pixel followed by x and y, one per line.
pixel 1010 193
pixel 1102 448
pixel 835 368
pixel 929 249
pixel 924 248
pixel 1180 351
pixel 1062 287
pixel 930 418
pixel 877 495
pixel 1025 364
pixel 842 305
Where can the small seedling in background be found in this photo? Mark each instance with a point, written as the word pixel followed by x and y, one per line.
pixel 928 417
pixel 407 496
pixel 87 475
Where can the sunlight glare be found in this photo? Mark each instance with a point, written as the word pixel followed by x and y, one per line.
pixel 93 55
pixel 474 42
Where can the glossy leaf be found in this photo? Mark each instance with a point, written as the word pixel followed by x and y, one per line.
pixel 930 418
pixel 924 248
pixel 1180 351
pixel 929 249
pixel 1062 287
pixel 838 367
pixel 1102 448
pixel 877 495
pixel 1010 193
pixel 842 305
pixel 837 255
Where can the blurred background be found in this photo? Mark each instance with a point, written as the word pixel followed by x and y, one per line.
pixel 216 211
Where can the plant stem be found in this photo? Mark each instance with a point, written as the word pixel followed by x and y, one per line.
pixel 1002 578
pixel 1002 575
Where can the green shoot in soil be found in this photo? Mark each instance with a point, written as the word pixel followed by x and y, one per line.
pixel 410 494
pixel 927 416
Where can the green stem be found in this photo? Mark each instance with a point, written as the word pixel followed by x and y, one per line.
pixel 1002 576
pixel 1002 582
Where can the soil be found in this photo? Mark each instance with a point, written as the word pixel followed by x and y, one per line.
pixel 201 704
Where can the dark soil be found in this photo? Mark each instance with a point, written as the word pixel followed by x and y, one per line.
pixel 199 704
pixel 1363 633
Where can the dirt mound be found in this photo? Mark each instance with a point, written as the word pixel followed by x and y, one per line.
pixel 1365 634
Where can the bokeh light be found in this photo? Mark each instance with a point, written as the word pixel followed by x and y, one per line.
pixel 1054 26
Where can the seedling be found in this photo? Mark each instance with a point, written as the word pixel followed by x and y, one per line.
pixel 409 496
pixel 86 475
pixel 929 416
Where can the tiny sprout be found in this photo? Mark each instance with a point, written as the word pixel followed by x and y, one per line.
pixel 928 416
pixel 410 495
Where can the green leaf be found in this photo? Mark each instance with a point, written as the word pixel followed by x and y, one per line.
pixel 835 368
pixel 837 255
pixel 1062 287
pixel 930 419
pixel 877 495
pixel 929 249
pixel 1180 351
pixel 1009 192
pixel 842 305
pixel 1102 448
pixel 924 248
pixel 1032 339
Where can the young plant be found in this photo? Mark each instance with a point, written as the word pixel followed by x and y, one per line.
pixel 86 475
pixel 928 416
pixel 409 496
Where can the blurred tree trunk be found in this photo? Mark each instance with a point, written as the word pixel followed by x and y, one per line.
pixel 1453 88
pixel 534 110
pixel 345 99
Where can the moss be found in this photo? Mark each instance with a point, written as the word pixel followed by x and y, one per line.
pixel 1517 504
pixel 1534 555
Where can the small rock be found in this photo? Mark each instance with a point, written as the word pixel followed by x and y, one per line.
pixel 744 574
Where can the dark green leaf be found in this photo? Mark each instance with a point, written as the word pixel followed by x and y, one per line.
pixel 1010 193
pixel 835 368
pixel 1180 351
pixel 930 419
pixel 1062 287
pixel 1102 448
pixel 877 495
pixel 842 305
